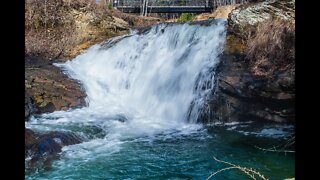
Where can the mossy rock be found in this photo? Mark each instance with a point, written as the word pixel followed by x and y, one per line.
pixel 46 106
pixel 38 99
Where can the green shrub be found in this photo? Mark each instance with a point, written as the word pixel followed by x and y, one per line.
pixel 185 17
pixel 109 6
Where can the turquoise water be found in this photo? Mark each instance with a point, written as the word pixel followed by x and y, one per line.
pixel 178 156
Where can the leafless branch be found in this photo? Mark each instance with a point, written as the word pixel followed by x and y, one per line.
pixel 252 173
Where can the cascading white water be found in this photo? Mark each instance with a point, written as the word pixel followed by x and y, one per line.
pixel 144 83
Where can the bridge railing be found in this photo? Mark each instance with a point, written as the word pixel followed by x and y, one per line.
pixel 171 6
pixel 138 3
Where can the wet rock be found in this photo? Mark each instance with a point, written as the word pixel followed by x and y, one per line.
pixel 47 108
pixel 29 106
pixel 30 137
pixel 111 42
pixel 143 30
pixel 240 97
pixel 42 149
pixel 40 145
pixel 120 117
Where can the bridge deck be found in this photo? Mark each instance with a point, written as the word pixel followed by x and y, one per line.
pixel 167 9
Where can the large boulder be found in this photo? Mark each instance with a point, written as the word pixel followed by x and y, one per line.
pixel 244 19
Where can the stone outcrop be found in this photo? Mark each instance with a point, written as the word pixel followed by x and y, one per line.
pixel 242 94
pixel 48 89
pixel 244 19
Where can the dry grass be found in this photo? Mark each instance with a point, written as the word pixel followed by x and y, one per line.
pixel 49 44
pixel 58 28
pixel 272 47
pixel 50 28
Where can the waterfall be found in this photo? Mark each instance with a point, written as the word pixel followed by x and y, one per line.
pixel 146 82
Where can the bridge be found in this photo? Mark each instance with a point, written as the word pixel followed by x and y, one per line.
pixel 163 6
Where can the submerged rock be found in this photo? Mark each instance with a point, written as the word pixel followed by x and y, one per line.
pixel 42 149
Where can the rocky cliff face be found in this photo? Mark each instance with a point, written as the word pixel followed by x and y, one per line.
pixel 246 88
